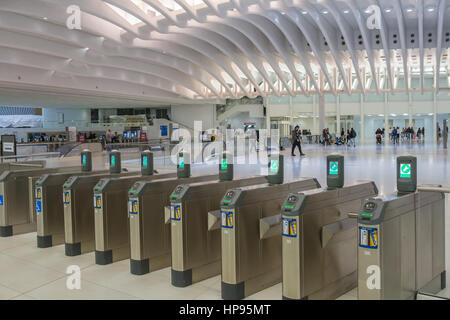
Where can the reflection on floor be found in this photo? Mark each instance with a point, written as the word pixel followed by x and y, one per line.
pixel 27 272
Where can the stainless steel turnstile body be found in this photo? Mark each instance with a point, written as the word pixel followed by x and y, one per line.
pixel 150 222
pixel 21 166
pixel 401 246
pixel 251 261
pixel 16 205
pixel 112 229
pixel 79 221
pixel 319 241
pixel 195 232
pixel 49 207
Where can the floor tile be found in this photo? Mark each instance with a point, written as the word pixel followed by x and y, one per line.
pixel 53 258
pixel 8 293
pixel 210 294
pixel 273 293
pixel 57 290
pixel 22 276
pixel 149 286
pixel 15 241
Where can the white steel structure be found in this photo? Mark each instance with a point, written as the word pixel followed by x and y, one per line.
pixel 183 51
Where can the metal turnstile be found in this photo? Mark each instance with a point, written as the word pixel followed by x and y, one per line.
pixel 78 192
pixel 149 215
pixel 49 206
pixel 16 204
pixel 251 256
pixel 79 220
pixel 17 190
pixel 401 246
pixel 112 230
pixel 195 230
pixel 401 239
pixel 319 241
pixel 21 166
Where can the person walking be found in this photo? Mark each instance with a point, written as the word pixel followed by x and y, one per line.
pixel 296 141
pixel 353 137
pixel 108 138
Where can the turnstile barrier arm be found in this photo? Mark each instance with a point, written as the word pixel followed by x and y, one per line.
pixel 167 214
pixel 270 227
pixel 331 230
pixel 214 220
pixel 31 165
pixel 433 189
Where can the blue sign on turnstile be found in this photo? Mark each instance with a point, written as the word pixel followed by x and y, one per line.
pixel 1 199
pixel 38 206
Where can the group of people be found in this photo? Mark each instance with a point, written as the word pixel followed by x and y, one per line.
pixel 346 138
pixel 343 139
pixel 47 138
pixel 408 134
pixel 112 138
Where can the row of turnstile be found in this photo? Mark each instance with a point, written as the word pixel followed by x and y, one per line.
pixel 255 232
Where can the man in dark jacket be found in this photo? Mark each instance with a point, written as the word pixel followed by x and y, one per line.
pixel 296 141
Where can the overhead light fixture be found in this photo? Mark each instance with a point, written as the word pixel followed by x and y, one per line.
pixel 410 10
pixel 388 10
pixel 393 115
pixel 430 9
pixel 304 12
pixel 346 11
pixel 405 114
pixel 283 12
pixel 45 18
pixel 324 11
pixel 430 114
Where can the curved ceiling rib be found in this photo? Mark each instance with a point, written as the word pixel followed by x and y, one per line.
pixel 21 40
pixel 362 26
pixel 277 37
pixel 402 34
pixel 440 27
pixel 421 48
pixel 327 33
pixel 209 50
pixel 384 33
pixel 240 41
pixel 347 34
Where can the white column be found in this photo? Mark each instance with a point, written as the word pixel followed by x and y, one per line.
pixel 291 111
pixel 338 115
pixel 363 138
pixel 321 112
pixel 434 119
pixel 386 120
pixel 267 100
pixel 410 111
pixel 315 129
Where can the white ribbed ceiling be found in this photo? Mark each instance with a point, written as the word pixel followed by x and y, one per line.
pixel 186 51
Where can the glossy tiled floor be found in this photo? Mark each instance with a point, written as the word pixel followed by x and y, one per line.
pixel 27 272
